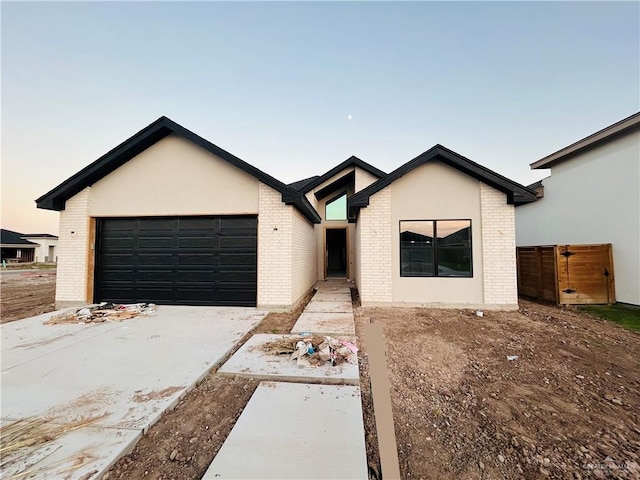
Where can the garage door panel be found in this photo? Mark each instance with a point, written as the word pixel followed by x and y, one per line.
pixel 197 242
pixel 159 259
pixel 156 242
pixel 118 260
pixel 236 259
pixel 177 260
pixel 237 242
pixel 198 259
pixel 118 224
pixel 228 223
pixel 155 223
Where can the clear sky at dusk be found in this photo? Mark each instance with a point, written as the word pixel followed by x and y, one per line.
pixel 295 88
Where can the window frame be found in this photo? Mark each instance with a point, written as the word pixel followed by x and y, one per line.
pixel 345 194
pixel 434 248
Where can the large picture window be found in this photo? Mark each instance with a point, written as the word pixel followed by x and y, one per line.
pixel 435 248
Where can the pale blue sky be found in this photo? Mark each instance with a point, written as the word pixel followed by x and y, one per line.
pixel 503 83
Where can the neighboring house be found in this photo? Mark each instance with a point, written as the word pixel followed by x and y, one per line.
pixel 47 249
pixel 591 197
pixel 20 247
pixel 15 248
pixel 168 217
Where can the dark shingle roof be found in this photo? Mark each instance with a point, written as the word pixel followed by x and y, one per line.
pixel 300 184
pixel 9 237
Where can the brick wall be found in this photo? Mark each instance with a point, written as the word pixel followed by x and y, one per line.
pixel 304 260
pixel 374 249
pixel 275 261
pixel 498 248
pixel 71 278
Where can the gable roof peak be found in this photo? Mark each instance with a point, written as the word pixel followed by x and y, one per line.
pixel 516 193
pixel 56 198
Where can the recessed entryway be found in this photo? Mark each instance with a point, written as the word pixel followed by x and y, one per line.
pixel 336 252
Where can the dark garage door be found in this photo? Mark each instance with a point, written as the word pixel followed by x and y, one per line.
pixel 177 260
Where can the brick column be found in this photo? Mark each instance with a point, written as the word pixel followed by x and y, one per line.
pixel 498 248
pixel 71 277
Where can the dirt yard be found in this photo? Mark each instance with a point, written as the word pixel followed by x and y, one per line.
pixel 26 294
pixel 567 406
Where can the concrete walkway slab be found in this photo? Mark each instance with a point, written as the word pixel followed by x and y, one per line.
pixel 331 297
pixel 128 372
pixel 320 323
pixel 329 307
pixel 252 361
pixel 332 288
pixel 296 431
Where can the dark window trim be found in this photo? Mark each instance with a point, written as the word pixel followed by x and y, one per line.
pixel 345 192
pixel 435 247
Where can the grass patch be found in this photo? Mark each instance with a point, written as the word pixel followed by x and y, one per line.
pixel 30 266
pixel 626 316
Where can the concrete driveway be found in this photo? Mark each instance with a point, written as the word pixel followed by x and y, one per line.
pixel 121 375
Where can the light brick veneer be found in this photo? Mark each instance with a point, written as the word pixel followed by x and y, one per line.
pixel 304 262
pixel 71 278
pixel 498 248
pixel 375 249
pixel 274 250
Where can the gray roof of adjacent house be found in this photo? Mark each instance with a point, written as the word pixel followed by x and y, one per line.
pixel 9 237
pixel 602 136
pixel 39 235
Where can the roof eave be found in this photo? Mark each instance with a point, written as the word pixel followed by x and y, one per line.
pixel 602 136
pixel 351 161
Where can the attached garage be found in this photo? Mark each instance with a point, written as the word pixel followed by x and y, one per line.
pixel 209 260
pixel 170 218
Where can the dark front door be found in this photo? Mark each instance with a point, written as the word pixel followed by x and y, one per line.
pixel 177 260
pixel 336 252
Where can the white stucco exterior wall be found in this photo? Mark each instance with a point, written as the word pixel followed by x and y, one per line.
pixel 175 177
pixel 499 270
pixel 363 179
pixel 593 198
pixel 435 191
pixel 42 250
pixel 71 277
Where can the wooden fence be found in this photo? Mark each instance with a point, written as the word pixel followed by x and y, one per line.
pixel 567 274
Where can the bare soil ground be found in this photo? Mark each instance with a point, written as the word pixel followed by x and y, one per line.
pixel 568 406
pixel 26 294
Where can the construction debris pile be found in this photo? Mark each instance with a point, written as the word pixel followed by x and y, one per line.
pixel 102 312
pixel 312 351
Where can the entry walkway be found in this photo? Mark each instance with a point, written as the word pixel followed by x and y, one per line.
pixel 296 429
